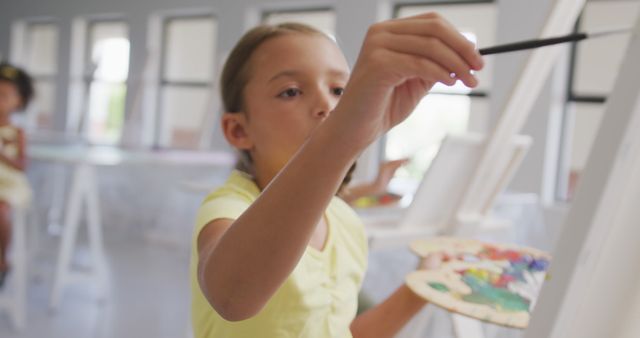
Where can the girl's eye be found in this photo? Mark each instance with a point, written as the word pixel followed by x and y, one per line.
pixel 291 92
pixel 337 91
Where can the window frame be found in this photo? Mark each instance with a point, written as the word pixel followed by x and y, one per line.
pixel 50 79
pixel 163 82
pixel 266 12
pixel 89 78
pixel 562 191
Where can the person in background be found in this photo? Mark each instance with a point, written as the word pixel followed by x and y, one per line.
pixel 377 187
pixel 16 91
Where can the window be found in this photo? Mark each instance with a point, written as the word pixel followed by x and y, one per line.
pixel 41 48
pixel 445 110
pixel 594 66
pixel 186 80
pixel 106 71
pixel 322 19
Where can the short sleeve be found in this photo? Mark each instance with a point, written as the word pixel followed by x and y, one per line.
pixel 225 207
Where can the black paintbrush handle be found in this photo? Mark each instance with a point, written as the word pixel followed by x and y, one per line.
pixel 512 47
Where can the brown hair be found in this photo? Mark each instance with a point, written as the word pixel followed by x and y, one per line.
pixel 237 70
pixel 19 78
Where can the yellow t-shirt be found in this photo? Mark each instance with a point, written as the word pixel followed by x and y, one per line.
pixel 318 299
pixel 14 187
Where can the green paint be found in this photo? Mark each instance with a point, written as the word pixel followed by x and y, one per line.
pixel 439 286
pixel 497 298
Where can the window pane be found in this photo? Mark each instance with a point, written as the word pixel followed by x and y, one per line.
pixel 584 129
pixel 479 114
pixel 323 20
pixel 183 110
pixel 44 103
pixel 108 69
pixel 476 21
pixel 42 48
pixel 106 112
pixel 598 60
pixel 420 135
pixel 187 58
pixel 110 51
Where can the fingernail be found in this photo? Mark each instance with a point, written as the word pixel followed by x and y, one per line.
pixel 473 81
pixel 479 62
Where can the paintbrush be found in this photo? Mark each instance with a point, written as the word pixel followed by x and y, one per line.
pixel 535 43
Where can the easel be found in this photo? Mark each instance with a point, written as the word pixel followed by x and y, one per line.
pixel 563 15
pixel 593 291
pixel 532 78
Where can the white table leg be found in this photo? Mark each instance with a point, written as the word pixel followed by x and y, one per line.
pixel 83 187
pixel 54 216
pixel 20 253
pixel 14 298
pixel 95 234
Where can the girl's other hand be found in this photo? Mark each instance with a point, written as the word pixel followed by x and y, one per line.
pixel 399 62
pixel 433 261
pixel 386 171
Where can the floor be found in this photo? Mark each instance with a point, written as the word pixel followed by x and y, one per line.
pixel 149 292
pixel 149 295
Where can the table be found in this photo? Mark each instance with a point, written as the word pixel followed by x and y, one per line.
pixel 84 188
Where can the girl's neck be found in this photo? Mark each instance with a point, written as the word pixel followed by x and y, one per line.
pixel 4 120
pixel 262 176
pixel 262 180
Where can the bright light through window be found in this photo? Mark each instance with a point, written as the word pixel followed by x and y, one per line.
pixel 112 58
pixel 419 137
pixel 107 71
pixel 447 109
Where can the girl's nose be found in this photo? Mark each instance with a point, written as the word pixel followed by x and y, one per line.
pixel 322 113
pixel 323 106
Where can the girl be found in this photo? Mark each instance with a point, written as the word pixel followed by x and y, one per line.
pixel 276 253
pixel 376 187
pixel 16 90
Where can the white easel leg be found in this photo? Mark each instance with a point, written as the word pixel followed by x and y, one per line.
pixel 69 232
pixel 95 234
pixel 465 327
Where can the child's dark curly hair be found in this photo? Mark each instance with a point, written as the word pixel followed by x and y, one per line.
pixel 19 78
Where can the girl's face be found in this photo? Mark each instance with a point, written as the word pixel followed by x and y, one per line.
pixel 9 98
pixel 295 82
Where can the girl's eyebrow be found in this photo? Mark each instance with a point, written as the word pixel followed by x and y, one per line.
pixel 284 73
pixel 339 73
pixel 293 73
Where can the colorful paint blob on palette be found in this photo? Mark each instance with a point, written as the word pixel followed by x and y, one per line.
pixel 513 289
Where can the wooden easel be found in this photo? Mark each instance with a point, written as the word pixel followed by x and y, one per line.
pixel 593 290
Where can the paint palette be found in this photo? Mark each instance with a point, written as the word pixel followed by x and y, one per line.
pixel 491 282
pixel 385 199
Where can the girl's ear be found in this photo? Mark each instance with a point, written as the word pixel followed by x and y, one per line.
pixel 234 127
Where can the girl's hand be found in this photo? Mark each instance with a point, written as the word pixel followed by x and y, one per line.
pixel 433 261
pixel 399 62
pixel 385 174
